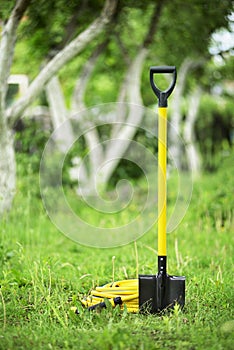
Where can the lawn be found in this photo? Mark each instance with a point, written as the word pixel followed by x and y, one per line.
pixel 43 274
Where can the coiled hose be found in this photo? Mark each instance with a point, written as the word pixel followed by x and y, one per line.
pixel 118 293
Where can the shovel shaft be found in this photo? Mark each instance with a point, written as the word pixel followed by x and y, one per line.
pixel 162 161
pixel 162 188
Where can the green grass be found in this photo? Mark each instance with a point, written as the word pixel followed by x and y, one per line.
pixel 43 274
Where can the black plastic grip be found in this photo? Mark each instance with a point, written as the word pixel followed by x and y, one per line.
pixel 102 305
pixel 162 95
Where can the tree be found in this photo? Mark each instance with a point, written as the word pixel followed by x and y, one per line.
pixel 201 19
pixel 66 40
pixel 9 115
pixel 131 116
pixel 176 150
pixel 130 91
pixel 7 158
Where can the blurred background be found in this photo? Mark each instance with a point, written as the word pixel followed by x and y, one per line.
pixel 65 57
pixel 77 110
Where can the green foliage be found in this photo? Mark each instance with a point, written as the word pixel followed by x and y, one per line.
pixel 30 139
pixel 214 128
pixel 47 20
pixel 49 25
pixel 184 29
pixel 188 33
pixel 227 69
pixel 6 8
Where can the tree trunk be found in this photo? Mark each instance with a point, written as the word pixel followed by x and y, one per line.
pixel 7 152
pixel 7 171
pixel 105 160
pixel 176 113
pixel 87 182
pixel 58 110
pixel 131 124
pixel 175 129
pixel 193 157
pixel 7 46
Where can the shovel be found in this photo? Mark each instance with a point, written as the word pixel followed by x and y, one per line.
pixel 161 291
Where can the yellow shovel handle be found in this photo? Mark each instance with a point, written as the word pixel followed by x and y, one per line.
pixel 162 187
pixel 162 96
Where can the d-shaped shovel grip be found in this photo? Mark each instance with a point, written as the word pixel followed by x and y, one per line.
pixel 162 95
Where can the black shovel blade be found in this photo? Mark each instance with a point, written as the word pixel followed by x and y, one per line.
pixel 160 292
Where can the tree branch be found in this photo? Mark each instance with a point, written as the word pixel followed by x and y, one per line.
pixel 133 95
pixel 176 101
pixel 55 97
pixel 128 129
pixel 72 49
pixel 8 38
pixel 81 84
pixel 130 89
pixel 91 136
pixel 123 49
pixel 71 25
pixel 69 29
pixel 154 23
pixel 193 158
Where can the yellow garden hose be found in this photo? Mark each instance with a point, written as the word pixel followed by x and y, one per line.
pixel 121 293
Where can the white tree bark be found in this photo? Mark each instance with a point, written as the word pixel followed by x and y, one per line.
pixel 175 130
pixel 77 102
pixel 135 114
pixel 176 112
pixel 59 115
pixel 7 155
pixel 7 45
pixel 7 172
pixel 194 161
pixel 87 182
